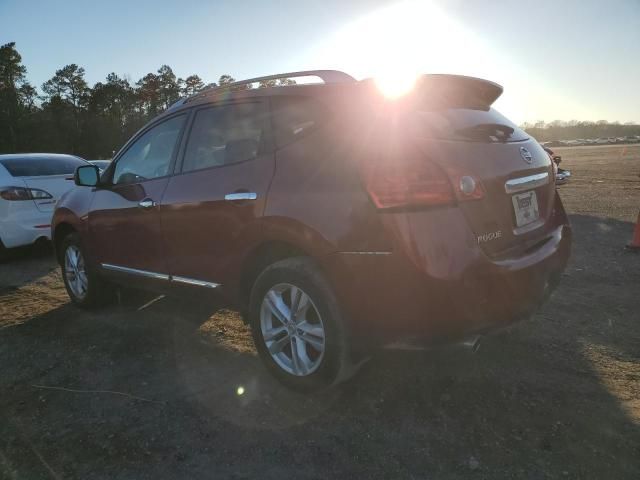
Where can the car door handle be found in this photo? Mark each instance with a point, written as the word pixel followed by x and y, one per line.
pixel 235 196
pixel 146 203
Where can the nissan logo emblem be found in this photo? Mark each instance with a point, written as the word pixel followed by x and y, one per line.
pixel 526 155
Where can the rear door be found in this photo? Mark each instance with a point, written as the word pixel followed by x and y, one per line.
pixel 211 207
pixel 124 221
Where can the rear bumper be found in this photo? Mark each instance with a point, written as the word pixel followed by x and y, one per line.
pixel 26 228
pixel 447 288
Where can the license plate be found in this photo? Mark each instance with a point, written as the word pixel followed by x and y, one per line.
pixel 525 206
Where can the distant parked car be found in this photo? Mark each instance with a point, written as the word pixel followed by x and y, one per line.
pixel 561 175
pixel 30 185
pixel 101 164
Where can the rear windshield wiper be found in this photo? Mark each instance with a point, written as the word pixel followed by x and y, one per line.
pixel 493 132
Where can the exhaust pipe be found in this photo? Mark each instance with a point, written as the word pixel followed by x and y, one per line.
pixel 473 343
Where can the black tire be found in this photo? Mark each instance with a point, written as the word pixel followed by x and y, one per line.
pixel 3 252
pixel 98 291
pixel 334 365
pixel 41 248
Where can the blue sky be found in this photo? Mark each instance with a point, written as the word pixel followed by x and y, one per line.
pixel 559 59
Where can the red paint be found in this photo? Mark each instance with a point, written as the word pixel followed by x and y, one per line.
pixel 431 277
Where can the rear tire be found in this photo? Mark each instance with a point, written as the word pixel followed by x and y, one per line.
pixel 306 350
pixel 84 286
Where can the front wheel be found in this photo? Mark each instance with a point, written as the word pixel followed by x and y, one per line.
pixel 298 327
pixel 84 287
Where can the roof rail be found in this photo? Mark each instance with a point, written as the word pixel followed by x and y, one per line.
pixel 327 76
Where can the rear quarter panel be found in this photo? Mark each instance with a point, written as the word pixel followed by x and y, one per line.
pixel 317 200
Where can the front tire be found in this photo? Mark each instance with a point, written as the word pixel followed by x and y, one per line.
pixel 84 286
pixel 298 327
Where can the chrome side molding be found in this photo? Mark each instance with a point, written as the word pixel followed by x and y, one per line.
pixel 516 185
pixel 193 281
pixel 135 271
pixel 159 276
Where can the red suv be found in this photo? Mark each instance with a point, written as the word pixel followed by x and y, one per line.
pixel 332 217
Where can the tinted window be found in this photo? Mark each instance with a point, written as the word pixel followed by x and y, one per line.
pixel 150 155
pixel 224 135
pixel 34 167
pixel 466 125
pixel 293 117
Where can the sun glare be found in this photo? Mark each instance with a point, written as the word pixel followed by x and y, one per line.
pixel 399 42
pixel 394 85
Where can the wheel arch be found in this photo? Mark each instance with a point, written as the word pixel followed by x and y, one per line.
pixel 263 255
pixel 59 234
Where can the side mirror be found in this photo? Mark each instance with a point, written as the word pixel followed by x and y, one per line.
pixel 87 176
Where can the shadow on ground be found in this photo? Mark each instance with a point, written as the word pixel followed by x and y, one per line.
pixel 556 396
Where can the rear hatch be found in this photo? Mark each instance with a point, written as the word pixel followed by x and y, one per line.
pixel 55 185
pixel 48 176
pixel 513 171
pixel 449 123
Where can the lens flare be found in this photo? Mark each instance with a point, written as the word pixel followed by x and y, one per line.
pixel 240 390
pixel 394 85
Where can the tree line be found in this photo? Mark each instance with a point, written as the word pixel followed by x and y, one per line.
pixel 69 116
pixel 574 129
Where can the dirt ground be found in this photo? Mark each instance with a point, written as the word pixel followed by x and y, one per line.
pixel 168 391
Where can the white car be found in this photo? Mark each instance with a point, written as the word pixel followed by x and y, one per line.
pixel 101 164
pixel 30 186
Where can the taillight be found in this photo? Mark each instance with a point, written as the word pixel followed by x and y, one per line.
pixel 417 184
pixel 422 183
pixel 21 193
pixel 467 187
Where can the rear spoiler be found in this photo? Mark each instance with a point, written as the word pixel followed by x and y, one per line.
pixel 459 91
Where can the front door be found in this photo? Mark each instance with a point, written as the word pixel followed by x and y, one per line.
pixel 210 209
pixel 124 222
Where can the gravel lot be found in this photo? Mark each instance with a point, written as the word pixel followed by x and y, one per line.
pixel 174 389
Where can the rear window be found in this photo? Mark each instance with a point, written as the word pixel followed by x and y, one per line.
pixel 295 117
pixel 463 124
pixel 37 167
pixel 225 134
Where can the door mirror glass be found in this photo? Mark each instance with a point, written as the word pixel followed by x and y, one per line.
pixel 87 176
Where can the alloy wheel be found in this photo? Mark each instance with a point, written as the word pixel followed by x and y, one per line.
pixel 75 272
pixel 292 329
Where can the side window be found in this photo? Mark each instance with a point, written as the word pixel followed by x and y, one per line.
pixel 224 135
pixel 294 117
pixel 150 155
